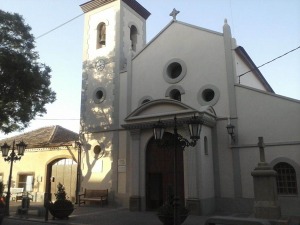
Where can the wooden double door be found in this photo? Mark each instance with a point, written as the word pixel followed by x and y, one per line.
pixel 160 174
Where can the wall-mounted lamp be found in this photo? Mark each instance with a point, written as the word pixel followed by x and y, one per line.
pixel 230 130
pixel 39 179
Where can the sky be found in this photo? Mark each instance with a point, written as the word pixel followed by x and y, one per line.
pixel 266 29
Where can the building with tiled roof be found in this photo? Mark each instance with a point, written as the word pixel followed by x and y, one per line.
pixel 51 136
pixel 50 153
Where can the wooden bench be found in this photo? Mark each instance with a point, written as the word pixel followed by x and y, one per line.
pixel 94 196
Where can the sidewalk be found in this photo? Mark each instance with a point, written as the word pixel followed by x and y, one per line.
pixel 89 215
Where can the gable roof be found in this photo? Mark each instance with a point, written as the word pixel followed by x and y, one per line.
pixel 45 137
pixel 246 58
pixel 93 4
pixel 178 22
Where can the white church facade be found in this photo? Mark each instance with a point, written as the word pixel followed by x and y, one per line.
pixel 129 85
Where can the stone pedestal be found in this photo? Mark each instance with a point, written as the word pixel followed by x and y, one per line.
pixel 135 203
pixel 266 204
pixel 194 206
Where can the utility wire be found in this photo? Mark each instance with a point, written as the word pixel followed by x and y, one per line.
pixel 55 119
pixel 267 63
pixel 59 26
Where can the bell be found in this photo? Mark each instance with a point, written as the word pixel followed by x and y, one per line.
pixel 102 39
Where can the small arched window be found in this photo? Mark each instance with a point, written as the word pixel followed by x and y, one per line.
pixel 286 179
pixel 101 35
pixel 133 37
pixel 175 94
pixel 145 101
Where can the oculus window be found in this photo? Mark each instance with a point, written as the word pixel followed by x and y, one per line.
pixel 99 95
pixel 208 95
pixel 174 71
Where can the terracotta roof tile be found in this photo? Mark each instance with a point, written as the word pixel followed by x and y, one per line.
pixel 45 137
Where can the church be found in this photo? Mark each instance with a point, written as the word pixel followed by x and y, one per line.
pixel 129 86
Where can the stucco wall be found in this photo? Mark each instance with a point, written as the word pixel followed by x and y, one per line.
pixel 225 160
pixel 276 119
pixel 248 79
pixel 204 60
pixel 265 115
pixel 129 18
pixel 35 161
pixel 92 19
pixel 96 169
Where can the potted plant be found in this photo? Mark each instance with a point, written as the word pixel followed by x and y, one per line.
pixel 62 207
pixel 2 202
pixel 166 211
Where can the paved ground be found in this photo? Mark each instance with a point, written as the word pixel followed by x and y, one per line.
pixel 96 215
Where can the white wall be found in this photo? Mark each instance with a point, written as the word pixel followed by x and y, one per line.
pixel 273 117
pixel 204 61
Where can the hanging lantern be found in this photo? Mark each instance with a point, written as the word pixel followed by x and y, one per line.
pixel 5 149
pixel 195 125
pixel 158 130
pixel 21 148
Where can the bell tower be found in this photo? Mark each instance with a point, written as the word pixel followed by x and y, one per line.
pixel 112 28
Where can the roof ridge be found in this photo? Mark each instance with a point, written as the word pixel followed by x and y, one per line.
pixel 53 133
pixel 169 25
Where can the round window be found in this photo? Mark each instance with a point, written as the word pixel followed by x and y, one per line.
pixel 97 149
pixel 174 71
pixel 99 95
pixel 208 95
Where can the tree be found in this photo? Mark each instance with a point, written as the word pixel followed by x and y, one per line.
pixel 24 82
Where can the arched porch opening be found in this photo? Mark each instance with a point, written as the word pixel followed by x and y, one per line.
pixel 160 172
pixel 61 170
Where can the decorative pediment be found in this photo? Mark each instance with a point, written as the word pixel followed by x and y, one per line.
pixel 149 113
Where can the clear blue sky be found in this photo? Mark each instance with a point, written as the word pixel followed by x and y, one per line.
pixel 266 29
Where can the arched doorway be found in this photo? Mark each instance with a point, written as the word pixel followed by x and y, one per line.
pixel 64 171
pixel 160 172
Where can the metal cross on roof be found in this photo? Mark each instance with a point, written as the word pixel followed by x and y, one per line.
pixel 174 13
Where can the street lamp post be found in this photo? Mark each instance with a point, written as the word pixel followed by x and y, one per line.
pixel 11 158
pixel 195 125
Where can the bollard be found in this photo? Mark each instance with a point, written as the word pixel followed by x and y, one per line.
pixel 25 202
pixel 46 203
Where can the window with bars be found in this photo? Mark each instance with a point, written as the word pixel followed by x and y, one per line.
pixel 286 179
